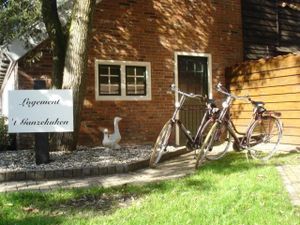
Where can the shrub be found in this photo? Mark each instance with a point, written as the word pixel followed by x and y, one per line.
pixel 4 136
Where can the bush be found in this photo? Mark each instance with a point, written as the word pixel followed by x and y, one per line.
pixel 4 136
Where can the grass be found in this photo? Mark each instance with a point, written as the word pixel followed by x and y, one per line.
pixel 229 191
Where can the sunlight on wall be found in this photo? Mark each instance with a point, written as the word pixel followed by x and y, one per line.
pixel 182 24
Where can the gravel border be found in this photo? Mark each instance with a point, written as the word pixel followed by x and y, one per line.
pixel 20 165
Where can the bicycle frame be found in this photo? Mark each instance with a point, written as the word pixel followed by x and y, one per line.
pixel 230 126
pixel 240 141
pixel 186 132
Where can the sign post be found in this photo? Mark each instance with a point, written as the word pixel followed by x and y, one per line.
pixel 41 140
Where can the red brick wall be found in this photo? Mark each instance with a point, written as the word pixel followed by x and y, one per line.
pixel 153 31
pixel 37 64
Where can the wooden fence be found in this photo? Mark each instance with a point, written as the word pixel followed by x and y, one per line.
pixel 275 81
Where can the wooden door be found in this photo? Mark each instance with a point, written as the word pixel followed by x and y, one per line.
pixel 192 78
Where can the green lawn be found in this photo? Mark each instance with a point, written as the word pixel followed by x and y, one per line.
pixel 229 191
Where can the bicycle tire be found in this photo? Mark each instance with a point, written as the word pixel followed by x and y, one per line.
pixel 161 144
pixel 220 145
pixel 263 137
pixel 200 155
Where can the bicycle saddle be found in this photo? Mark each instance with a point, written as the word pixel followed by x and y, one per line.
pixel 257 104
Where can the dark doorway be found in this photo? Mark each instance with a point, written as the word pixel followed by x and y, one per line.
pixel 192 78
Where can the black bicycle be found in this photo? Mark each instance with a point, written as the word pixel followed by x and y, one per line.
pixel 162 146
pixel 262 136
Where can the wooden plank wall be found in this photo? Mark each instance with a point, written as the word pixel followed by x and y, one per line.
pixel 275 81
pixel 270 29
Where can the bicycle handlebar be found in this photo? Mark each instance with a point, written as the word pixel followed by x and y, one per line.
pixel 190 95
pixel 220 89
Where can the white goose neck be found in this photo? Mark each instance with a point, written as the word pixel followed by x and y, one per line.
pixel 116 125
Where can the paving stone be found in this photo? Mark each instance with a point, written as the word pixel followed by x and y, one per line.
pixel 125 168
pixel 20 176
pixel 94 171
pixel 30 175
pixel 68 173
pixel 111 169
pixel 39 174
pixel 132 166
pixel 120 168
pixel 22 185
pixel 59 173
pixel 103 170
pixel 77 172
pixel 86 171
pixel 49 174
pixel 141 164
pixel 10 176
pixel 2 177
pixel 2 187
pixel 290 179
pixel 11 186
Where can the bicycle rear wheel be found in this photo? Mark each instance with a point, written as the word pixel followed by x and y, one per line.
pixel 161 144
pixel 263 137
pixel 221 143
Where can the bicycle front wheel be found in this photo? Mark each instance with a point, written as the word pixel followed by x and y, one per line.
pixel 161 144
pixel 205 145
pixel 221 142
pixel 263 137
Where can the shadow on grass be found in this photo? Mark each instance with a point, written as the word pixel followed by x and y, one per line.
pixel 95 200
pixel 70 201
pixel 32 220
pixel 231 163
pixel 199 184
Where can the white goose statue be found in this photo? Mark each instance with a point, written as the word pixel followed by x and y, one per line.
pixel 112 140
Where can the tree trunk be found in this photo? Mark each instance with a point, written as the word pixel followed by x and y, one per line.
pixel 75 70
pixel 58 40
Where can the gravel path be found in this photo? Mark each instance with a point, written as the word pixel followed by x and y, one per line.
pixel 83 157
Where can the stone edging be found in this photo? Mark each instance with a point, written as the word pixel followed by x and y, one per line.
pixel 82 172
pixel 295 198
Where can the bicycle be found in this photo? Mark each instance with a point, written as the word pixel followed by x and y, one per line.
pixel 162 142
pixel 262 135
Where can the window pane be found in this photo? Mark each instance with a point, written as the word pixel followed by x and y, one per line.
pixel 140 80
pixel 130 70
pixel 115 70
pixel 135 80
pixel 141 70
pixel 103 89
pixel 199 67
pixel 114 89
pixel 109 80
pixel 130 89
pixel 130 80
pixel 140 90
pixel 103 69
pixel 114 80
pixel 103 80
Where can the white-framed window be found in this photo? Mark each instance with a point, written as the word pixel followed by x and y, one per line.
pixel 122 80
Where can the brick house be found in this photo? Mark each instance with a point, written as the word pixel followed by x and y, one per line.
pixel 137 49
